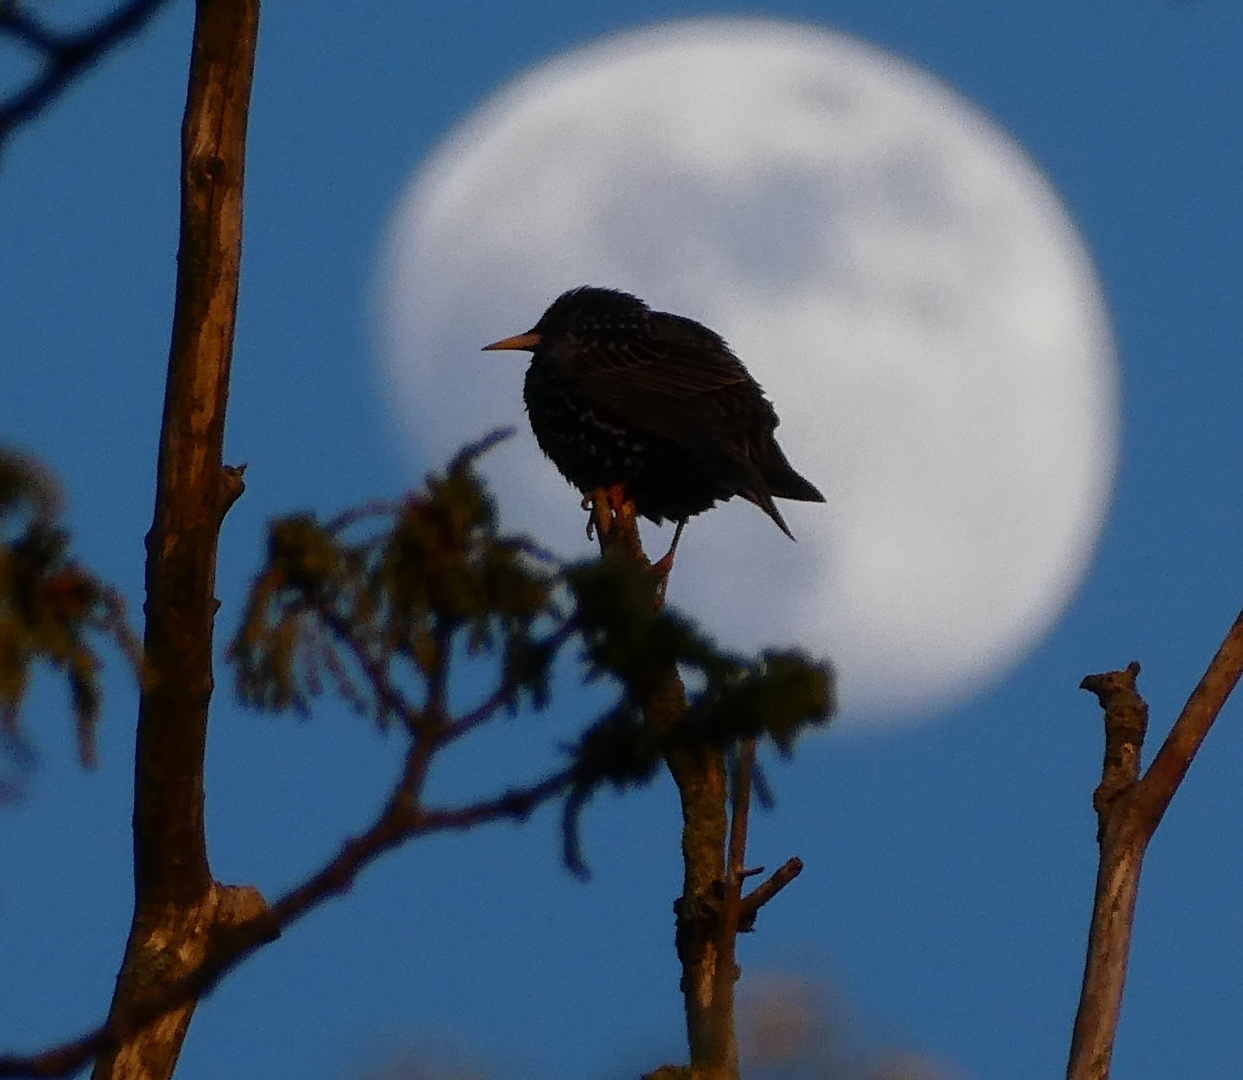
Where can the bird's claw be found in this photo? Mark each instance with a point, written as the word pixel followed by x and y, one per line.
pixel 664 564
pixel 661 568
pixel 609 507
pixel 589 504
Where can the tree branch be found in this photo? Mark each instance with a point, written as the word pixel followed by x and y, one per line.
pixel 389 699
pixel 762 894
pixel 175 897
pixel 65 56
pixel 1179 749
pixel 488 708
pixel 725 977
pixel 1129 809
pixel 233 940
pixel 699 772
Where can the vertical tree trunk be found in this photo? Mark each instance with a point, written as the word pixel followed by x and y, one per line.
pixel 707 987
pixel 176 901
pixel 700 775
pixel 1129 808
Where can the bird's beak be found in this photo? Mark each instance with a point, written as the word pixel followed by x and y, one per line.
pixel 528 341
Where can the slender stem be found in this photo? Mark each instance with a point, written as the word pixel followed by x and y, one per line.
pixel 490 705
pixel 388 698
pixel 1179 749
pixel 725 1040
pixel 740 808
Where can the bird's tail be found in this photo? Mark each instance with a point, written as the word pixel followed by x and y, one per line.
pixel 783 482
pixel 774 477
pixel 793 486
pixel 764 501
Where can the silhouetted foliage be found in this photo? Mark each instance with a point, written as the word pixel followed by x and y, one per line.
pixel 51 610
pixel 382 594
pixel 380 602
pixel 62 55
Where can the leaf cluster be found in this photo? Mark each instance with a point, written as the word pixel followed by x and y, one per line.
pixel 653 654
pixel 51 610
pixel 382 602
pixel 378 598
pixel 629 637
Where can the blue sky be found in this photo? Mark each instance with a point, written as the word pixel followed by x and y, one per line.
pixel 949 866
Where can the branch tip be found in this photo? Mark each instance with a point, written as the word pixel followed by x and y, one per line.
pixel 1109 683
pixel 751 904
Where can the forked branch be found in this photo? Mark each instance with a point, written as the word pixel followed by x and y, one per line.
pixel 1129 808
pixel 234 940
pixel 711 911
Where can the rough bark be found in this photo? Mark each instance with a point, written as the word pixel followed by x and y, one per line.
pixel 177 905
pixel 1123 839
pixel 707 975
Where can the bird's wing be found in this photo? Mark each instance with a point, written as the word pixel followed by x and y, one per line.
pixel 679 382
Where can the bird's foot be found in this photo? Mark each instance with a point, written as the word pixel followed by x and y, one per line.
pixel 609 508
pixel 589 504
pixel 664 564
pixel 621 509
pixel 661 568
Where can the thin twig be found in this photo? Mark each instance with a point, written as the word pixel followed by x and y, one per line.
pixel 389 698
pixel 65 56
pixel 487 708
pixel 780 878
pixel 725 975
pixel 435 714
pixel 355 514
pixel 1179 749
pixel 744 768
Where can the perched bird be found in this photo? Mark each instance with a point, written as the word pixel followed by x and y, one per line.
pixel 618 394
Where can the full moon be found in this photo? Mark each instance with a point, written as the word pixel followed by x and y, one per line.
pixel 892 268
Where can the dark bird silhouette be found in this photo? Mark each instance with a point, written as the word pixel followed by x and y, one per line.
pixel 619 394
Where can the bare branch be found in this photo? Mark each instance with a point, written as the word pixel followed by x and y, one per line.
pixel 397 823
pixel 488 708
pixel 725 976
pixel 740 808
pixel 389 699
pixel 176 911
pixel 1128 812
pixel 64 56
pixel 780 878
pixel 1179 749
pixel 1126 724
pixel 700 775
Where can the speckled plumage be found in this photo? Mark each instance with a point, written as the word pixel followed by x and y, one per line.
pixel 619 394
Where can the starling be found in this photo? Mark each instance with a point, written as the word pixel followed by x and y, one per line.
pixel 619 394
